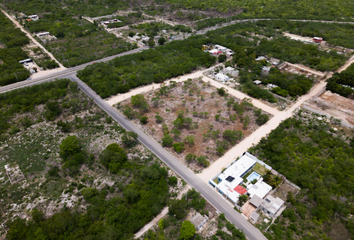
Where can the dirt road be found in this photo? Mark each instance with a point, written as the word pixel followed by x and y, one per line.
pixel 18 25
pixel 256 136
pixel 160 216
pixel 118 98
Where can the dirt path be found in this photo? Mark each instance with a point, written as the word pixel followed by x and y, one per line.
pixel 118 98
pixel 256 136
pixel 241 95
pixel 307 69
pixel 160 216
pixel 346 65
pixel 18 25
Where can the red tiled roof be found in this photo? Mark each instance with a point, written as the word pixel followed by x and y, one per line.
pixel 241 190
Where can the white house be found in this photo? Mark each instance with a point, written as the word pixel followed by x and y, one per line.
pixel 198 221
pixel 271 86
pixel 232 71
pixel 260 188
pixel 34 17
pixel 271 205
pixel 222 77
pixel 261 58
pixel 257 82
pixel 42 34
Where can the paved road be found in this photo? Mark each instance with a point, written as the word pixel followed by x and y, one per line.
pixel 193 180
pixel 64 73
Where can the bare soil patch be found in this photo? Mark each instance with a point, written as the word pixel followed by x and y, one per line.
pixel 199 101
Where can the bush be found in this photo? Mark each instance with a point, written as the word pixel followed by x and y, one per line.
pixel 167 140
pixel 222 58
pixel 221 91
pixel 172 181
pixel 143 120
pixel 262 119
pixel 130 139
pixel 178 147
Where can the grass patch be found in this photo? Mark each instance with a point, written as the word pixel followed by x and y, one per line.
pixel 260 169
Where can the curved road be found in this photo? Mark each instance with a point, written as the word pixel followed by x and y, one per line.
pixel 184 172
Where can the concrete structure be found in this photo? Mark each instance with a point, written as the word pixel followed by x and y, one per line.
pixel 33 17
pixel 271 205
pixel 232 177
pixel 198 221
pixel 256 201
pixel 265 70
pixel 215 52
pixel 253 217
pixel 42 34
pixel 260 188
pixel 232 71
pixel 271 86
pixel 222 77
pixel 257 82
pixel 105 23
pixel 25 60
pixel 221 48
pixel 261 58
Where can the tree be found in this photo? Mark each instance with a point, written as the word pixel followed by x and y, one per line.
pixel 162 40
pixel 262 119
pixel 221 91
pixel 178 147
pixel 222 58
pixel 190 140
pixel 187 230
pixel 130 139
pixel 139 101
pixel 143 120
pixel 113 157
pixel 242 199
pixel 232 136
pixel 176 133
pixel 246 121
pixel 131 34
pixel 167 140
pixel 178 208
pixel 172 181
pixel 159 119
pixel 69 147
pixel 151 43
pixel 190 157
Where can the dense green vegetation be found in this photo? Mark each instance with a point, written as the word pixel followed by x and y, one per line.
pixel 78 41
pixel 58 150
pixel 11 41
pixel 289 84
pixel 336 34
pixel 309 153
pixel 296 52
pixel 342 83
pixel 154 65
pixel 91 8
pixel 120 217
pixel 285 9
pixel 154 28
pixel 25 100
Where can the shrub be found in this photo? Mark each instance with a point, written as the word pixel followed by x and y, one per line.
pixel 143 120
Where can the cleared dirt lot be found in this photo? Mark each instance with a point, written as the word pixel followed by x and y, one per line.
pixel 200 102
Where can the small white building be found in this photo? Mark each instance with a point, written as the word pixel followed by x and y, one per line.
pixel 222 77
pixel 257 82
pixel 265 70
pixel 261 58
pixel 33 17
pixel 271 86
pixel 215 51
pixel 220 48
pixel 42 34
pixel 198 221
pixel 232 71
pixel 271 205
pixel 260 188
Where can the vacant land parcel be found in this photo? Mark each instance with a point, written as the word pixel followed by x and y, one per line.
pixel 64 160
pixel 195 120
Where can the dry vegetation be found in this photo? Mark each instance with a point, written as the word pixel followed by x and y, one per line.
pixel 196 115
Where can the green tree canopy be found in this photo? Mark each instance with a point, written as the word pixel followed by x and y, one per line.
pixel 187 230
